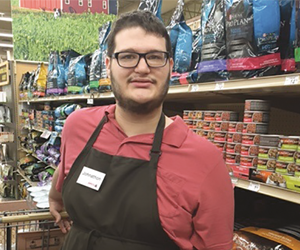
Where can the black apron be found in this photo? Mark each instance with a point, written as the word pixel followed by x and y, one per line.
pixel 123 214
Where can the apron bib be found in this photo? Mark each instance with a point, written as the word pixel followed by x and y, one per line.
pixel 122 214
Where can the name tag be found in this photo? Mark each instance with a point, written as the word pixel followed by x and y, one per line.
pixel 91 178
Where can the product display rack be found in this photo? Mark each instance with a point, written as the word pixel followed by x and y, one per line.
pixel 7 85
pixel 281 90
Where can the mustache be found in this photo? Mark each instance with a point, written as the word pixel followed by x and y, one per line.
pixel 141 79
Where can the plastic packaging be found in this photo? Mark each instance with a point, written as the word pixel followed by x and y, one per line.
pixel 212 65
pixel 287 39
pixel 153 6
pixel 56 75
pixel 252 32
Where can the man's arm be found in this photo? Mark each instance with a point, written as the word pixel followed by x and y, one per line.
pixel 56 205
pixel 213 222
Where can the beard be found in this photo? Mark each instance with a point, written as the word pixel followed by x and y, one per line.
pixel 136 107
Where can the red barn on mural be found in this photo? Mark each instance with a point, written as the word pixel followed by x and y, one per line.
pixel 73 6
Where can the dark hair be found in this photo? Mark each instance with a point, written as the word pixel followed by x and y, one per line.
pixel 138 18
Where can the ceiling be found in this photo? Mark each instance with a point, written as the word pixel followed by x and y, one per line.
pixel 6 37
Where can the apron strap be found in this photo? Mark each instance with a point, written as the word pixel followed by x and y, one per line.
pixel 155 151
pixel 95 134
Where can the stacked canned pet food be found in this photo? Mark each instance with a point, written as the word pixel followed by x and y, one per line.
pixel 279 161
pixel 213 125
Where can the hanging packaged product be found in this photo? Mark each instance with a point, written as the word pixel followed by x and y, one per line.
pixel 78 74
pixel 196 49
pixel 104 81
pixel 23 85
pixel 212 65
pixel 287 39
pixel 153 6
pixel 38 87
pixel 66 57
pixel 252 32
pixel 56 75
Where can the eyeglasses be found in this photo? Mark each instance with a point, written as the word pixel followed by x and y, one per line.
pixel 154 59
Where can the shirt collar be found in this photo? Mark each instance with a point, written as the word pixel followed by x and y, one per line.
pixel 174 135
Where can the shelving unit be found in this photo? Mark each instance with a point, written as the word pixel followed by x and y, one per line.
pixel 261 188
pixel 7 85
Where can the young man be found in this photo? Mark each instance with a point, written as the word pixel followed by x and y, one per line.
pixel 132 178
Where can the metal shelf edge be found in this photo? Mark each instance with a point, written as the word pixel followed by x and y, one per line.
pixel 273 191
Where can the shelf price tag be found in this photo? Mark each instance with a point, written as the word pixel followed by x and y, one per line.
pixel 194 87
pixel 46 134
pixel 291 80
pixel 90 101
pixel 254 186
pixel 219 85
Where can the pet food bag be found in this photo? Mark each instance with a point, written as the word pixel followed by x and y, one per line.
pixel 252 32
pixel 212 65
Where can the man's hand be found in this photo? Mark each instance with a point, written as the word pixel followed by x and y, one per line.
pixel 55 208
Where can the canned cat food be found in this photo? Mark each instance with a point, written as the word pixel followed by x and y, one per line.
pixel 239 171
pixel 193 114
pixel 297 170
pixel 266 164
pixel 233 148
pixel 249 150
pixel 198 123
pixel 232 158
pixel 276 179
pixel 234 137
pixel 257 105
pixel 226 116
pixel 220 145
pixel 208 134
pixel 255 128
pixel 250 139
pixel 210 115
pixel 256 116
pixel 248 161
pixel 206 125
pixel 286 155
pixel 285 167
pixel 189 123
pixel 235 127
pixel 289 142
pixel 269 140
pixel 267 152
pixel 221 126
pixel 198 131
pixel 297 158
pixel 220 136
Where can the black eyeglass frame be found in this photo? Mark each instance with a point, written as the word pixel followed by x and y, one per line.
pixel 141 55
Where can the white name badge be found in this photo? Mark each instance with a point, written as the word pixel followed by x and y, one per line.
pixel 91 178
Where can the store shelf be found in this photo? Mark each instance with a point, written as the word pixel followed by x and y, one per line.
pixel 35 156
pixel 39 129
pixel 21 172
pixel 262 188
pixel 259 86
pixel 107 95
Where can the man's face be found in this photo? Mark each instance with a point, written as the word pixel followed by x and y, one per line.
pixel 141 89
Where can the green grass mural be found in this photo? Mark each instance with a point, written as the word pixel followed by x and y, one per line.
pixel 36 33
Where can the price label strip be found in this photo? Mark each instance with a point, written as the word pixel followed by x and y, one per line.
pixel 46 134
pixel 219 85
pixel 194 87
pixel 293 80
pixel 255 187
pixel 90 101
